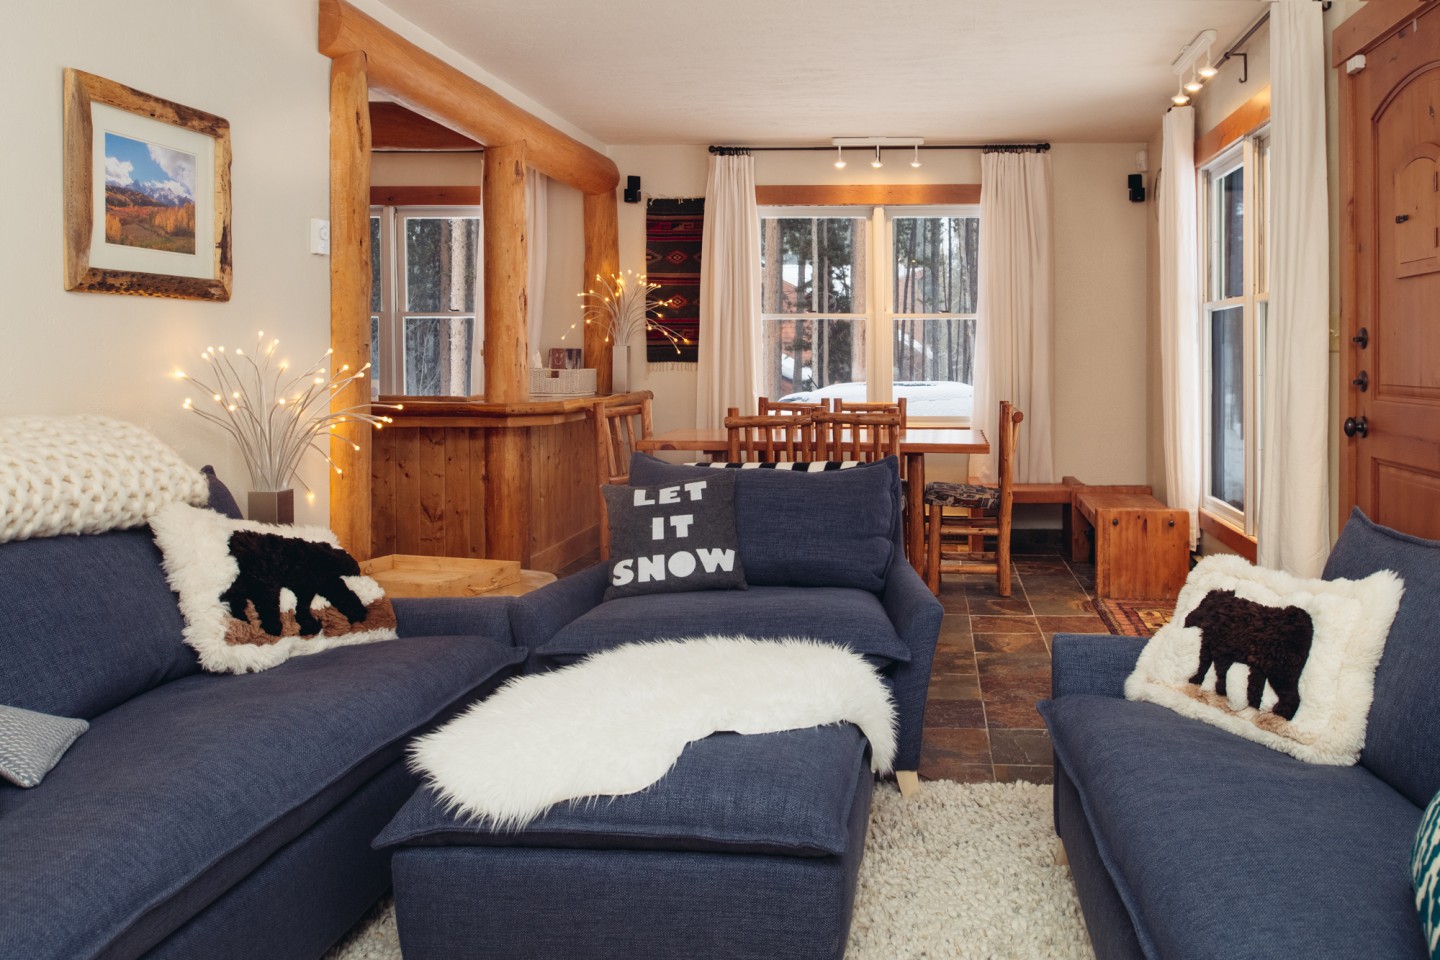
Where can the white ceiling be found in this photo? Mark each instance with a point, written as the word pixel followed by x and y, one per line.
pixel 802 71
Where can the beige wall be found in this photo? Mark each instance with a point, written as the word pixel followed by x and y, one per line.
pixel 1100 269
pixel 254 64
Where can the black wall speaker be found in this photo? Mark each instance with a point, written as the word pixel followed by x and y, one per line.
pixel 632 189
pixel 1137 188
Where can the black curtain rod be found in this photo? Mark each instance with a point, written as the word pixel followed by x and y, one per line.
pixel 866 147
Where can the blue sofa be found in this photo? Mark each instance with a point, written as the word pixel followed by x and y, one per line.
pixel 203 815
pixel 824 558
pixel 1188 842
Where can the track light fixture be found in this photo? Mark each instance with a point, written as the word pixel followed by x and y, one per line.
pixel 877 163
pixel 875 143
pixel 916 162
pixel 839 157
pixel 1186 62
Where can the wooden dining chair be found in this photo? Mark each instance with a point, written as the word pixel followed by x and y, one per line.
pixel 616 422
pixel 770 438
pixel 863 406
pixel 848 435
pixel 987 513
pixel 770 408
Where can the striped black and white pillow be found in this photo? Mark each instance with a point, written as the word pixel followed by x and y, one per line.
pixel 805 466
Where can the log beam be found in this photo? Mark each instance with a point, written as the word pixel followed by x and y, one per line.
pixel 431 87
pixel 350 295
pixel 602 257
pixel 507 268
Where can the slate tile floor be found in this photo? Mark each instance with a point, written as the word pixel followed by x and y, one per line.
pixel 993 663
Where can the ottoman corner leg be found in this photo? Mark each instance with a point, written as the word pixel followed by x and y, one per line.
pixel 909 783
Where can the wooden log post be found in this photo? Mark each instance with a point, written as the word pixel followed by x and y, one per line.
pixel 602 258
pixel 507 377
pixel 350 295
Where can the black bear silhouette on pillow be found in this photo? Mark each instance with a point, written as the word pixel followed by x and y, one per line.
pixel 269 562
pixel 1273 641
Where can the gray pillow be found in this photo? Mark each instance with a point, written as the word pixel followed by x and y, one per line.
pixel 32 743
pixel 674 537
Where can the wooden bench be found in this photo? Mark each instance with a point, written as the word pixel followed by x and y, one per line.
pixel 1142 547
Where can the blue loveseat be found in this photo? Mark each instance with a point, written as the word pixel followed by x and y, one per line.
pixel 1188 842
pixel 824 558
pixel 203 815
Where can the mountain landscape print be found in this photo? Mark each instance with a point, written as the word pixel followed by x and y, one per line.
pixel 149 195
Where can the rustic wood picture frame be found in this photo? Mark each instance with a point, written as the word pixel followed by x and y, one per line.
pixel 82 91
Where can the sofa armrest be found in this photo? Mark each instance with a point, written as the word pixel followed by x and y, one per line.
pixel 915 614
pixel 537 616
pixel 1092 663
pixel 487 617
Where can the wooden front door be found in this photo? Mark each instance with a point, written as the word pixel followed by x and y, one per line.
pixel 1390 329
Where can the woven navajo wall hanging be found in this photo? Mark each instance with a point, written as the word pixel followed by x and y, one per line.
pixel 673 232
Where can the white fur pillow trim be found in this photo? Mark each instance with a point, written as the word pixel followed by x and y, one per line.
pixel 199 567
pixel 1351 620
pixel 86 474
pixel 616 722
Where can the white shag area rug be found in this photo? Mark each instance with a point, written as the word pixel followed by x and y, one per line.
pixel 963 872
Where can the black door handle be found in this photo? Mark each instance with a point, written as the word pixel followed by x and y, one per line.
pixel 1362 338
pixel 1356 425
pixel 1362 381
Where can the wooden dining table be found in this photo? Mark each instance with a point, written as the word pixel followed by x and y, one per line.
pixel 915 442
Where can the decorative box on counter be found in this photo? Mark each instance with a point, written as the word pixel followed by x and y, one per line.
pixel 562 383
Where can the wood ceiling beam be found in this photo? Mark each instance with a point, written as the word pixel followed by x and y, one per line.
pixel 392 127
pixel 433 88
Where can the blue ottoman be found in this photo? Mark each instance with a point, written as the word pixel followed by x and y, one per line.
pixel 748 848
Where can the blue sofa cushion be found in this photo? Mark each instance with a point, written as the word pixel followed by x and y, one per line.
pixel 832 529
pixel 1221 847
pixel 173 797
pixel 844 616
pixel 87 623
pixel 784 793
pixel 1405 716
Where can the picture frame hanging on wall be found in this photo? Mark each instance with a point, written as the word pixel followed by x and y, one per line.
pixel 147 194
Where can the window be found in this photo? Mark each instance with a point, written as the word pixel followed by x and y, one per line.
pixel 871 304
pixel 425 327
pixel 1235 221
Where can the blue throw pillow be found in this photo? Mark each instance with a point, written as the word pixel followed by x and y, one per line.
pixel 1425 875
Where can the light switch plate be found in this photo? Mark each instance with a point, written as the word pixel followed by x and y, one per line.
pixel 320 236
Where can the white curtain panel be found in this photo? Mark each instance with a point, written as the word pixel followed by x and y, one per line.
pixel 729 293
pixel 537 190
pixel 1180 350
pixel 1294 526
pixel 1015 336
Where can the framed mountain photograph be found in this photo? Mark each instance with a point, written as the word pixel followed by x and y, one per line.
pixel 147 194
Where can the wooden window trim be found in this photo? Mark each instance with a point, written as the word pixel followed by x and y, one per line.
pixel 425 196
pixel 1247 118
pixel 1228 534
pixel 866 194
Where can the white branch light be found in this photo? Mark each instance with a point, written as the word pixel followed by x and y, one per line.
pixel 274 422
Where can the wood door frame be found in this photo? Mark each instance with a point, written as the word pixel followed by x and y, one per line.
pixel 1369 27
pixel 367 55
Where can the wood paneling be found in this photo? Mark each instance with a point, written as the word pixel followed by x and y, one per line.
pixel 897 194
pixel 424 196
pixel 1248 117
pixel 395 128
pixel 350 295
pixel 602 258
pixel 1371 23
pixel 433 88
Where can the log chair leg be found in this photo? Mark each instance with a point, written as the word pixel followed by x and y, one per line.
pixel 932 564
pixel 909 783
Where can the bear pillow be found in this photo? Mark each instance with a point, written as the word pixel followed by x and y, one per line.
pixel 1286 662
pixel 254 595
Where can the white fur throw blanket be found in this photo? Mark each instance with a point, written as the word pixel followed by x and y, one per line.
pixel 616 722
pixel 86 474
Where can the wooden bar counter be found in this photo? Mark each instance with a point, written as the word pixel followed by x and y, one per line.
pixel 433 494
